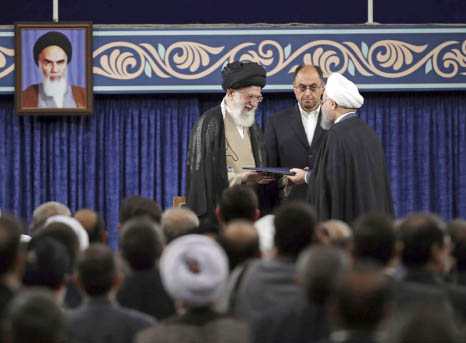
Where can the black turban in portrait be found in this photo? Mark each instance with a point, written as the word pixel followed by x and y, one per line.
pixel 52 38
pixel 238 75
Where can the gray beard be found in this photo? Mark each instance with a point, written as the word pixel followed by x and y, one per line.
pixel 326 121
pixel 239 115
pixel 54 88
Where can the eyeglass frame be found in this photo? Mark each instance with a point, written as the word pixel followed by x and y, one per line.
pixel 312 88
pixel 250 97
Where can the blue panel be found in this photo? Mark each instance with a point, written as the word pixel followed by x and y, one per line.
pixel 382 57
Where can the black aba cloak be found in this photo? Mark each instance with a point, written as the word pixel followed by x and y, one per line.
pixel 206 176
pixel 350 176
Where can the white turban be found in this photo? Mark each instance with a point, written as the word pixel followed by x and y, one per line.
pixel 344 92
pixel 76 226
pixel 194 269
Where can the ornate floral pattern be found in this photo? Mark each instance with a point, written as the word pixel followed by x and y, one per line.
pixel 192 60
pixel 4 68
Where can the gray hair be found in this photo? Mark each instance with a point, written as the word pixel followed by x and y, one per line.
pixel 45 211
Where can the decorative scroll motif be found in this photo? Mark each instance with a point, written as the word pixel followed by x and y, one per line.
pixel 191 60
pixel 6 68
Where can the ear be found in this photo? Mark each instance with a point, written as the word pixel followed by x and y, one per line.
pixel 77 281
pixel 257 214
pixel 105 236
pixel 117 281
pixel 218 214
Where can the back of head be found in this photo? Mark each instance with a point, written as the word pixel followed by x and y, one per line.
pixel 65 235
pixel 177 222
pixel 423 324
pixel 45 211
pixel 93 223
pixel 47 263
pixel 419 232
pixel 141 243
pixel 374 238
pixel 362 298
pixel 338 232
pixel 194 270
pixel 10 233
pixel 294 228
pixel 457 230
pixel 238 202
pixel 35 317
pixel 318 282
pixel 240 241
pixel 136 205
pixel 97 270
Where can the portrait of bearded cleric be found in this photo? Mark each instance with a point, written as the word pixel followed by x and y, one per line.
pixel 53 73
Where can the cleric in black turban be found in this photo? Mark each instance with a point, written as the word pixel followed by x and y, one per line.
pixel 52 38
pixel 237 75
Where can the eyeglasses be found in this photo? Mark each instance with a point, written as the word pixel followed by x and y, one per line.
pixel 251 97
pixel 312 88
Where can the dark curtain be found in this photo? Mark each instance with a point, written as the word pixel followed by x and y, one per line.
pixel 136 144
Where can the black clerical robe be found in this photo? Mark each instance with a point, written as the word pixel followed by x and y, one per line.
pixel 350 176
pixel 206 176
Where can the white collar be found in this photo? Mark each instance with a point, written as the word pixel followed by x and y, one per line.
pixel 305 113
pixel 339 119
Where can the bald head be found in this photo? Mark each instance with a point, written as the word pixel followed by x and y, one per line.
pixel 240 241
pixel 93 224
pixel 178 221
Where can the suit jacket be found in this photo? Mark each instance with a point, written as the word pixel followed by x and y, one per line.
pixel 30 96
pixel 99 320
pixel 143 291
pixel 287 145
pixel 198 325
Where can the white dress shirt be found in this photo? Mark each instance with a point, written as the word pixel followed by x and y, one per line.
pixel 309 122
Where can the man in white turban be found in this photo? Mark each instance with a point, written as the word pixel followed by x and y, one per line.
pixel 350 176
pixel 194 271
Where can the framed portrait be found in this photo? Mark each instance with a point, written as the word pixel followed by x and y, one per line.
pixel 53 69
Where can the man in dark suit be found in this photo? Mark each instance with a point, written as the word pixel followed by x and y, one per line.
pixel 100 319
pixel 293 136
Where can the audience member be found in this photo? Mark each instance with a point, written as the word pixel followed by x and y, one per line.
pixel 238 202
pixel 177 222
pixel 94 225
pixel 424 324
pixel 135 206
pixel 141 244
pixel 270 283
pixel 361 302
pixel 194 270
pixel 307 321
pixel 99 319
pixel 11 260
pixel 73 224
pixel 374 240
pixel 338 232
pixel 240 241
pixel 457 230
pixel 34 317
pixel 45 211
pixel 47 265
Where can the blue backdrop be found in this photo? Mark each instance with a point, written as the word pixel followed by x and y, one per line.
pixel 136 144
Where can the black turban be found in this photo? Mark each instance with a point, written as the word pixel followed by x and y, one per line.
pixel 52 38
pixel 238 75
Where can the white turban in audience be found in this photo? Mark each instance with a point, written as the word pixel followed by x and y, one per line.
pixel 76 226
pixel 344 92
pixel 194 269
